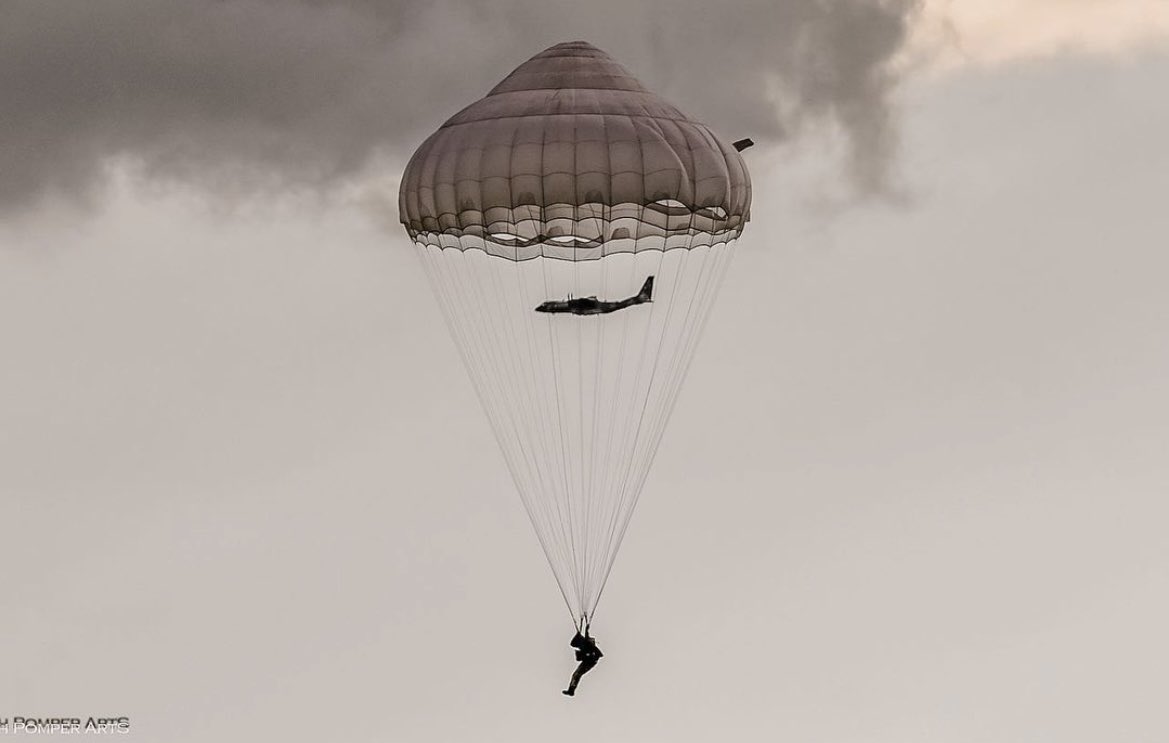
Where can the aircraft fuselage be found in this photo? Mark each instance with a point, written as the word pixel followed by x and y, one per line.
pixel 594 306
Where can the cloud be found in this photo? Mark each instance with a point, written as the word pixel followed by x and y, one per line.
pixel 249 94
pixel 954 34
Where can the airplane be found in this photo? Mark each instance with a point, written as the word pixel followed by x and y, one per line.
pixel 594 306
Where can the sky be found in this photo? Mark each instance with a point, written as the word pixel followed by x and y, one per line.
pixel 913 490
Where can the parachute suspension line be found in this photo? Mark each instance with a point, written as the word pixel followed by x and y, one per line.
pixel 537 394
pixel 676 360
pixel 543 510
pixel 565 520
pixel 709 281
pixel 445 292
pixel 476 357
pixel 618 524
pixel 553 512
pixel 601 488
pixel 539 512
pixel 543 502
pixel 588 462
pixel 624 446
pixel 596 494
pixel 491 347
pixel 617 448
pixel 590 349
pixel 582 494
pixel 712 270
pixel 499 362
pixel 618 513
pixel 432 260
pixel 710 291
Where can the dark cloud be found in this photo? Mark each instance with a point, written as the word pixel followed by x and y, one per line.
pixel 304 92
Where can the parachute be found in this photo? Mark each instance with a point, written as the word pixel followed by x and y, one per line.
pixel 573 189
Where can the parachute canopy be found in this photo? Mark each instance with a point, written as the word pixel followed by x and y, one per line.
pixel 575 228
pixel 571 157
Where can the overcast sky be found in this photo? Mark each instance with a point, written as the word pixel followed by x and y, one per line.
pixel 913 491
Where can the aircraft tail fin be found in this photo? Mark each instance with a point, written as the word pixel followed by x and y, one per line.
pixel 647 290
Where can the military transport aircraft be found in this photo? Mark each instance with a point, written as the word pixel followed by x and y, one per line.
pixel 594 306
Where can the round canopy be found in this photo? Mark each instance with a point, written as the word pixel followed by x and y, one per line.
pixel 571 157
